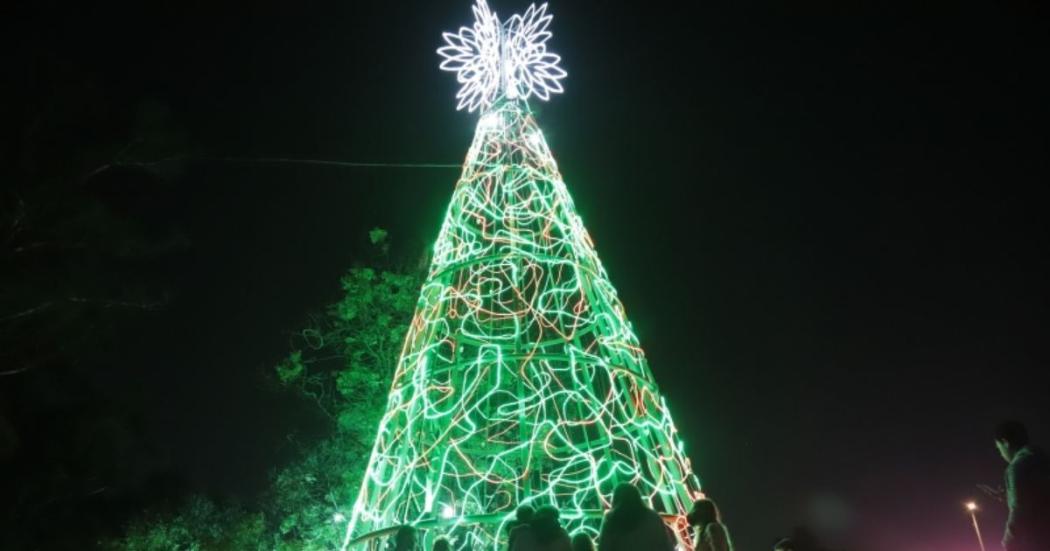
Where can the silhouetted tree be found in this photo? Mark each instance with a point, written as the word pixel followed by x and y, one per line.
pixel 71 280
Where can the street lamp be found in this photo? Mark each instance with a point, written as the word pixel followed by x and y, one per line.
pixel 971 506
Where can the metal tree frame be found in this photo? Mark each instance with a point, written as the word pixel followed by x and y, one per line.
pixel 521 380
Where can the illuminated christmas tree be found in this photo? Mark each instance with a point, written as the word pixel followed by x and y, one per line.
pixel 521 379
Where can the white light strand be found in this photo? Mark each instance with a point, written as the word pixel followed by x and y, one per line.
pixel 511 58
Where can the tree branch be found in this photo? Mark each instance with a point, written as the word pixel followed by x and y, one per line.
pixel 25 313
pixel 23 369
pixel 106 303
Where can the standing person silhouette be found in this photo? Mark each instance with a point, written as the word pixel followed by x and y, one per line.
pixel 520 535
pixel 1027 489
pixel 631 526
pixel 405 539
pixel 711 534
pixel 546 526
pixel 582 542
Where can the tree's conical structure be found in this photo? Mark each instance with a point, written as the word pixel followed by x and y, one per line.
pixel 521 380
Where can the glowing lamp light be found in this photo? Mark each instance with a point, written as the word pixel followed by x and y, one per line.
pixel 971 507
pixel 338 518
pixel 448 512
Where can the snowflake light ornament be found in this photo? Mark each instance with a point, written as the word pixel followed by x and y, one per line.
pixel 491 59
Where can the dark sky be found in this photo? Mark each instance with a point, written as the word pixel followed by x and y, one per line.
pixel 825 221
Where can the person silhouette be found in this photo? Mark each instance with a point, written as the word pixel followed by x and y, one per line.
pixel 550 536
pixel 631 526
pixel 405 539
pixel 582 542
pixel 520 535
pixel 1027 489
pixel 711 534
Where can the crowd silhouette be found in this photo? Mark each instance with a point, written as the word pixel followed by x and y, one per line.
pixel 632 525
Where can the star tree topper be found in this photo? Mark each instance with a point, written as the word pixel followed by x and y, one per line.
pixel 492 59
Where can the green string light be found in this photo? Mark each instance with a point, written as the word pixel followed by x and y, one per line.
pixel 520 380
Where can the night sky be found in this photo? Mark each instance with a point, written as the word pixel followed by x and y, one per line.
pixel 826 224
